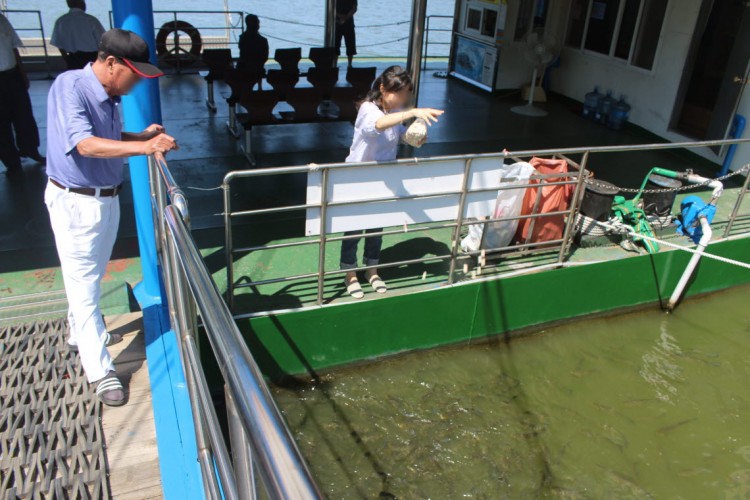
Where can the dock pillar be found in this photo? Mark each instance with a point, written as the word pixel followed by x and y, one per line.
pixel 330 28
pixel 140 109
pixel 416 43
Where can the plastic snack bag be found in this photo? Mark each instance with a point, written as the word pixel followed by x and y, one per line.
pixel 416 134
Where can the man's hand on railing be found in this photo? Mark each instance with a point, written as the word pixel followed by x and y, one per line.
pixel 161 143
pixel 152 131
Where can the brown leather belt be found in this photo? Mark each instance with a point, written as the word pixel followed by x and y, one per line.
pixel 90 191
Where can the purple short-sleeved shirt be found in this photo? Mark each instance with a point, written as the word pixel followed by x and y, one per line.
pixel 78 107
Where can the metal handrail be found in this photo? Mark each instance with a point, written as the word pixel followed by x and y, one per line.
pixel 562 246
pixel 575 177
pixel 429 29
pixel 39 29
pixel 259 435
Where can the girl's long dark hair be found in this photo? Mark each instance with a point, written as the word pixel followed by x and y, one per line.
pixel 393 79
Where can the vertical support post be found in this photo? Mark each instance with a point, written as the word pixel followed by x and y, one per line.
pixel 574 203
pixel 228 244
pixel 44 43
pixel 426 44
pixel 232 123
pixel 242 454
pixel 330 25
pixel 176 41
pixel 416 39
pixel 455 240
pixel 323 234
pixel 535 211
pixel 210 100
pixel 153 180
pixel 140 109
pixel 735 210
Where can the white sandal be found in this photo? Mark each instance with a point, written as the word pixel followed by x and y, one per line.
pixel 354 289
pixel 377 284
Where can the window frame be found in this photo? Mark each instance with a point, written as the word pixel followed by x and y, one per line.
pixel 610 56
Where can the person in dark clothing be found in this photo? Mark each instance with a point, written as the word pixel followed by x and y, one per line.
pixel 77 35
pixel 253 49
pixel 19 134
pixel 345 10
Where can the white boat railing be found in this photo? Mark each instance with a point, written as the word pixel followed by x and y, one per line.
pixel 576 176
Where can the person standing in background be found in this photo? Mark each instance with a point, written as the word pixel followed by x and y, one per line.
pixel 345 10
pixel 16 114
pixel 77 35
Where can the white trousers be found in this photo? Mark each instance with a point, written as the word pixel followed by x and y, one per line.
pixel 85 230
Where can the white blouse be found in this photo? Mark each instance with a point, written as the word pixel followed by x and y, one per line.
pixel 369 143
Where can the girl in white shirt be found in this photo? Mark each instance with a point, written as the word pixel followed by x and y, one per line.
pixel 377 132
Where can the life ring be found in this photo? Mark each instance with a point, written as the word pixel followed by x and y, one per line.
pixel 177 55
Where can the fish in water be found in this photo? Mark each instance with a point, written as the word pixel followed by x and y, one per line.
pixel 669 428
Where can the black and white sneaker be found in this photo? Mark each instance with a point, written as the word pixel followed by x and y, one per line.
pixel 110 391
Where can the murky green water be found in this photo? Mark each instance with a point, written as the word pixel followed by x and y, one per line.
pixel 637 406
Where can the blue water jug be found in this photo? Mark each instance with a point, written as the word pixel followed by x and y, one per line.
pixel 591 103
pixel 605 107
pixel 619 115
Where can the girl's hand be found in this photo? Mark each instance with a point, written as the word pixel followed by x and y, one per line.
pixel 427 114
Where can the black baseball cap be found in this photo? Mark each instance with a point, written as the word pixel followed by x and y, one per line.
pixel 132 49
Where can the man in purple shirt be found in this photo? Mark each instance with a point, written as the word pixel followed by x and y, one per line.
pixel 85 151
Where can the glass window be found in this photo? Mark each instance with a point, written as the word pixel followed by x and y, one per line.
pixel 473 19
pixel 576 23
pixel 489 21
pixel 540 16
pixel 627 29
pixel 649 33
pixel 602 22
pixel 523 22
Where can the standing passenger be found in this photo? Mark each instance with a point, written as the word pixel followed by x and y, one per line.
pixel 377 131
pixel 345 10
pixel 77 34
pixel 19 134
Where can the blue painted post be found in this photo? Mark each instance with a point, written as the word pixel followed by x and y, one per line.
pixel 142 108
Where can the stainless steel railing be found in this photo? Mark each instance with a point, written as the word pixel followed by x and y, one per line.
pixel 561 246
pixel 260 440
pixel 27 22
pixel 440 41
pixel 575 176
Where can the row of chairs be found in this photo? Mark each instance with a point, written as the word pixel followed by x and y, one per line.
pixel 323 100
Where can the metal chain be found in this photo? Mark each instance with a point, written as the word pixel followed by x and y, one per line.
pixel 686 187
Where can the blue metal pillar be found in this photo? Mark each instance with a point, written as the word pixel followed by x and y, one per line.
pixel 175 429
pixel 140 109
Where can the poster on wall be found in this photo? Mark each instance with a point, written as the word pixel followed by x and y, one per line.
pixel 475 62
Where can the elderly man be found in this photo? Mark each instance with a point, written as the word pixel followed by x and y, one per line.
pixel 85 148
pixel 77 34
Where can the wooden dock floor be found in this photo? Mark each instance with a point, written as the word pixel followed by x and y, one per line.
pixel 129 431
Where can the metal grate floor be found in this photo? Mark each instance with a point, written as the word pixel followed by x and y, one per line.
pixel 51 436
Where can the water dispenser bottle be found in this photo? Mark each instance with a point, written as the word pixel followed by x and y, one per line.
pixel 619 114
pixel 591 103
pixel 605 107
